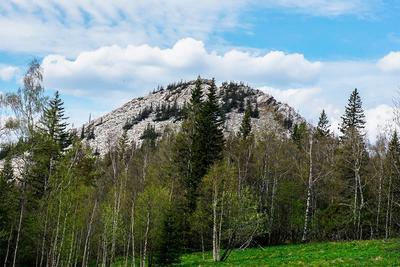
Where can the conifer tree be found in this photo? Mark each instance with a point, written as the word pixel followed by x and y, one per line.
pixel 353 158
pixel 323 125
pixel 54 121
pixel 245 127
pixel 299 133
pixel 212 133
pixel 353 118
pixel 256 112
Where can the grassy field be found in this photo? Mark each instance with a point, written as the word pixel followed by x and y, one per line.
pixel 357 253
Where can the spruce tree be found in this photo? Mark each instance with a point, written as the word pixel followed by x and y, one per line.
pixel 323 125
pixel 212 133
pixel 245 127
pixel 255 113
pixel 353 118
pixel 299 134
pixel 170 247
pixel 54 121
pixel 201 140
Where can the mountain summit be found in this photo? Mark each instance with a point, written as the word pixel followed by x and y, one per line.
pixel 163 108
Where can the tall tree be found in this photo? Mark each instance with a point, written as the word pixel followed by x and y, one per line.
pixel 354 117
pixel 54 121
pixel 323 125
pixel 211 131
pixel 353 157
pixel 245 127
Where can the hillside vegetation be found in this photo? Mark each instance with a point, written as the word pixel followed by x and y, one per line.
pixel 195 187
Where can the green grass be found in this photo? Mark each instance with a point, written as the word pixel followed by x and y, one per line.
pixel 356 253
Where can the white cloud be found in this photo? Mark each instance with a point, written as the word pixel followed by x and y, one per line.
pixel 138 69
pixel 296 98
pixel 390 63
pixel 8 72
pixel 69 27
pixel 379 118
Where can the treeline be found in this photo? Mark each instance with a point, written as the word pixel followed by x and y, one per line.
pixel 61 204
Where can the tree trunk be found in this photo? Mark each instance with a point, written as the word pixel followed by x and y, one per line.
pixel 8 245
pixel 215 231
pixel 133 233
pixel 308 212
pixel 85 250
pixel 21 214
pixel 272 209
pixel 146 239
pixel 378 212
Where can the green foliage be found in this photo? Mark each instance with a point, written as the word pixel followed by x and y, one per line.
pixel 245 127
pixel 323 125
pixel 355 253
pixel 171 241
pixel 299 134
pixel 54 122
pixel 353 118
pixel 201 141
pixel 165 112
pixel 233 97
pixel 149 135
pixel 142 115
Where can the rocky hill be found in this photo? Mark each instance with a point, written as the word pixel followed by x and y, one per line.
pixel 163 107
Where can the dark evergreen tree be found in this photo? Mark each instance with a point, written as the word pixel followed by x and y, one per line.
pixel 241 107
pixel 83 132
pixel 299 133
pixel 188 147
pixel 353 118
pixel 8 205
pixel 149 135
pixel 245 127
pixel 212 132
pixel 170 248
pixel 323 125
pixel 54 122
pixel 255 113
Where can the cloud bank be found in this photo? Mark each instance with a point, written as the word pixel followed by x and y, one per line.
pixel 138 69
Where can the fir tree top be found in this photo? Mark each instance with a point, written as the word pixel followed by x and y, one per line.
pixel 54 121
pixel 354 117
pixel 197 94
pixel 323 125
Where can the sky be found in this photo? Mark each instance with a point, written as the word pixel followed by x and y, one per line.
pixel 308 53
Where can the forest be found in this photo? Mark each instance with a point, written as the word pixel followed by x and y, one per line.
pixel 192 190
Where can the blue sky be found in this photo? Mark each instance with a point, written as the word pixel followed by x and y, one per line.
pixel 309 53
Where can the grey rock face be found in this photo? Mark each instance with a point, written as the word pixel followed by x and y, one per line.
pixel 162 107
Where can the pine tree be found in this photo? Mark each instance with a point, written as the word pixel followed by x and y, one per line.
pixel 54 121
pixel 299 133
pixel 256 112
pixel 201 140
pixel 245 127
pixel 353 118
pixel 212 132
pixel 149 135
pixel 323 125
pixel 170 247
pixel 353 158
